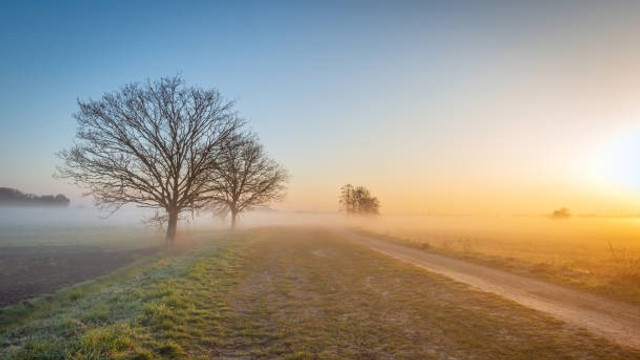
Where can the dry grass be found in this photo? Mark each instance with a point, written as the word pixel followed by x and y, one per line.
pixel 598 255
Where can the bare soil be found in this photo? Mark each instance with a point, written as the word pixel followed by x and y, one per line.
pixel 613 320
pixel 27 272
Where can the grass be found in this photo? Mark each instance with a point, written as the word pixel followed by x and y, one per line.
pixel 588 261
pixel 285 293
pixel 141 311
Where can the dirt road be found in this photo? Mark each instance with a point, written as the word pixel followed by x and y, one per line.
pixel 610 319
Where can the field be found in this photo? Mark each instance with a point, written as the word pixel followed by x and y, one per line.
pixel 41 260
pixel 601 255
pixel 284 293
pixel 32 271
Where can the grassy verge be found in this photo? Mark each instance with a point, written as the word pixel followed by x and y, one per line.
pixel 283 293
pixel 617 276
pixel 145 310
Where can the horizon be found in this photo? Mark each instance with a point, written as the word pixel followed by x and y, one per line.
pixel 479 108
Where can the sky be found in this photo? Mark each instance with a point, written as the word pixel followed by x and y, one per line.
pixel 438 107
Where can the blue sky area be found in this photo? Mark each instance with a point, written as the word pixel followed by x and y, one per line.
pixel 372 92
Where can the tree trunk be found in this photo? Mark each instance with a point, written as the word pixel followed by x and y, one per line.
pixel 172 226
pixel 234 214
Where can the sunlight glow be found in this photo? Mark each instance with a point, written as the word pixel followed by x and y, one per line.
pixel 618 164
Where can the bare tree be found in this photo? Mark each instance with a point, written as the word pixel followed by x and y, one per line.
pixel 247 178
pixel 358 200
pixel 153 145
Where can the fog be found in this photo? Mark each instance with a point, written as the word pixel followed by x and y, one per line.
pixel 138 217
pixel 437 230
pixel 540 238
pixel 541 228
pixel 68 217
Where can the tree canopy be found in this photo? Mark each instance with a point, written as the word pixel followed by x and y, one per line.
pixel 154 145
pixel 358 200
pixel 246 177
pixel 562 213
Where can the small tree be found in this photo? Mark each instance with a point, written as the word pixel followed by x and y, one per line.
pixel 358 201
pixel 246 178
pixel 152 145
pixel 562 213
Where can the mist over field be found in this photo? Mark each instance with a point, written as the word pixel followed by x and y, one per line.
pixel 135 217
pixel 68 217
pixel 584 231
pixel 537 232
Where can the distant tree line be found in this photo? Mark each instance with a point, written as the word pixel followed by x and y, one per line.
pixel 14 197
pixel 171 147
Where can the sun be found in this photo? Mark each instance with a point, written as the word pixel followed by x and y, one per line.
pixel 618 163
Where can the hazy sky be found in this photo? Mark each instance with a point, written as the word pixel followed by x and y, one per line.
pixel 436 106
